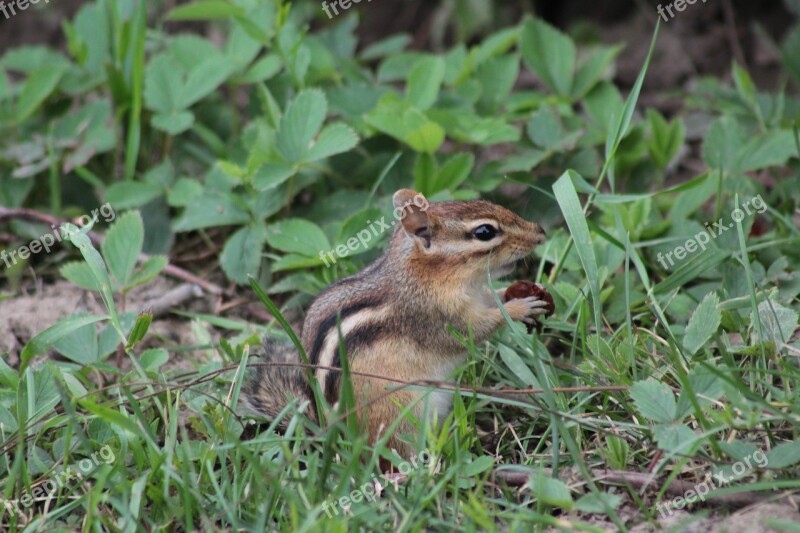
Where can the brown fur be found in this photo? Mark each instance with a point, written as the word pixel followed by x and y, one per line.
pixel 432 276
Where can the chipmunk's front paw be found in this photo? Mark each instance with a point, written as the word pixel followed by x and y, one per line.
pixel 525 309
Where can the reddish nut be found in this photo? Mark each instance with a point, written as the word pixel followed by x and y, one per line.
pixel 523 289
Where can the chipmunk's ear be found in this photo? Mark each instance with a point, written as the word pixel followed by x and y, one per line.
pixel 411 208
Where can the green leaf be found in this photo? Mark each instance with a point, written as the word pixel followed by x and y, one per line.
pixel 334 139
pixel 79 273
pixel 424 82
pixel 551 491
pixel 80 345
pixel 386 47
pixel 789 55
pixel 654 400
pixel 205 10
pixel 773 148
pixel 241 255
pixel 211 209
pixel 477 466
pixel 453 173
pixel 675 437
pixel 122 246
pixel 264 69
pixel 401 120
pixel 154 358
pixel 777 322
pixel 703 324
pixel 722 143
pixel 270 175
pixel 39 85
pixel 163 83
pixel 98 268
pixel 151 268
pixel 39 344
pixel 300 124
pixel 462 124
pixel 666 139
pixel 298 236
pixel 132 194
pixel 518 367
pixel 497 76
pixel 545 130
pixel 784 455
pixel 173 123
pixel 570 205
pixel 550 54
pixel 364 227
pixel 592 70
pixel 598 502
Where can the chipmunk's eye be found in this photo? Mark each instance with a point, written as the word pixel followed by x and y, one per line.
pixel 486 232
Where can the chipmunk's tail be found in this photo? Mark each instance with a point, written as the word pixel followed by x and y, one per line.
pixel 269 389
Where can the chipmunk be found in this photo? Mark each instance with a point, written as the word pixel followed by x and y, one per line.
pixel 394 314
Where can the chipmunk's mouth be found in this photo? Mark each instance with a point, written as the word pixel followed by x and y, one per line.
pixel 503 270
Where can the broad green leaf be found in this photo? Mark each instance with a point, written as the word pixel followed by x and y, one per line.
pixel 789 55
pixel 675 437
pixel 183 192
pixel 264 69
pixel 478 466
pixel 703 324
pixel 204 78
pixel 300 124
pixel 241 255
pixel 550 54
pixel 654 400
pixel 367 228
pixel 205 10
pixel 497 77
pixel 122 246
pixel 591 71
pixel 79 346
pixel 551 491
pixel 386 47
pixel 154 358
pixel 209 210
pixel 334 139
pixel 777 322
pixel 78 272
pixel 462 124
pixel 598 502
pixel 298 236
pixel 270 175
pixel 666 139
pixel 518 367
pixel 724 139
pixel 453 173
pixel 151 268
pixel 39 344
pixel 163 83
pixel 401 120
pixel 773 148
pixel 132 194
pixel 784 455
pixel 37 88
pixel 424 82
pixel 173 123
